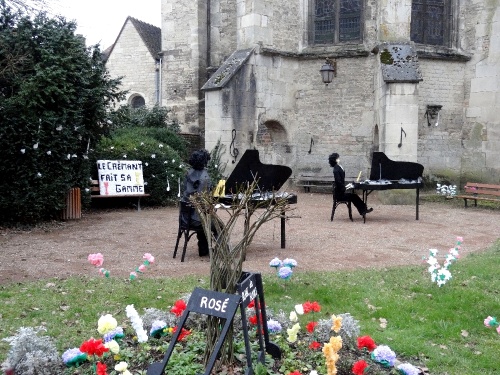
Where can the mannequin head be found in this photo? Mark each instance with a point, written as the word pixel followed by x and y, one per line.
pixel 333 159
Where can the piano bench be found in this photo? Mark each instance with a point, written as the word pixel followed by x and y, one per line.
pixel 480 192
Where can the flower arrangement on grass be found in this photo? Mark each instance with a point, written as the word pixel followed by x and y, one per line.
pixel 440 274
pixel 97 260
pixel 491 322
pixel 309 345
pixel 284 269
pixel 447 190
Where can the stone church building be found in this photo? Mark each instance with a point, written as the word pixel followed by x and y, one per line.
pixel 416 79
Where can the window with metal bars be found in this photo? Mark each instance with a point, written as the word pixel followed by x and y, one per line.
pixel 431 22
pixel 336 21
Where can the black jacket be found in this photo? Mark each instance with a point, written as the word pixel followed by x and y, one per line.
pixel 339 176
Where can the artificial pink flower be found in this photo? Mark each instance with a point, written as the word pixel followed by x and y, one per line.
pixel 460 239
pixel 142 268
pixel 498 330
pixel 96 259
pixel 490 322
pixel 149 257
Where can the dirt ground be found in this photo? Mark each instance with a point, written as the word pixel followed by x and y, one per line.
pixel 391 236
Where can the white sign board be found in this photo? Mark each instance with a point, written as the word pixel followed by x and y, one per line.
pixel 120 177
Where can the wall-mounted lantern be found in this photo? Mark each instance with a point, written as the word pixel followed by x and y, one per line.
pixel 432 113
pixel 328 71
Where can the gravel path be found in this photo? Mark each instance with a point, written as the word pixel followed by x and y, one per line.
pixel 391 236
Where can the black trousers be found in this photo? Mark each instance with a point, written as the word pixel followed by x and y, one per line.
pixel 356 201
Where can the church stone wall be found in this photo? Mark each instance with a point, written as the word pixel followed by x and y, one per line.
pixel 222 31
pixel 184 49
pixel 132 60
pixel 298 121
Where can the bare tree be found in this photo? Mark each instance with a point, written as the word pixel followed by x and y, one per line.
pixel 226 258
pixel 27 6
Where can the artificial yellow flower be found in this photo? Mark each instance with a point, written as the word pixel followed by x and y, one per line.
pixel 113 346
pixel 292 332
pixel 336 323
pixel 330 350
pixel 106 323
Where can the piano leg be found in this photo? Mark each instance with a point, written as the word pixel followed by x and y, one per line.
pixel 283 239
pixel 418 200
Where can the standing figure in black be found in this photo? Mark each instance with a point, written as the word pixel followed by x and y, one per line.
pixel 197 180
pixel 339 184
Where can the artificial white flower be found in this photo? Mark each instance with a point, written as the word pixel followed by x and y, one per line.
pixel 35 146
pixel 59 128
pixel 293 317
pixel 153 156
pixel 136 321
pixel 23 150
pixel 39 174
pixel 49 152
pixel 160 145
pixel 299 309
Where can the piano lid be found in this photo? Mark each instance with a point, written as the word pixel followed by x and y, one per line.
pixel 384 168
pixel 270 177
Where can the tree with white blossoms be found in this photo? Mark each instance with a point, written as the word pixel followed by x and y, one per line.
pixel 226 257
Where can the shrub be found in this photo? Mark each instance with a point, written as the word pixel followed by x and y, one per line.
pixel 163 167
pixel 54 96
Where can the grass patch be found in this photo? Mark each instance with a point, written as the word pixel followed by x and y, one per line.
pixel 439 327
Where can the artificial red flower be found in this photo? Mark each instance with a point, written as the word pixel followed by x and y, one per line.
pixel 366 342
pixel 314 345
pixel 359 367
pixel 178 308
pixel 184 333
pixel 251 304
pixel 101 369
pixel 295 373
pixel 93 347
pixel 310 326
pixel 253 319
pixel 311 307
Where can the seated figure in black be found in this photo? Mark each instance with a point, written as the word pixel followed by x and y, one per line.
pixel 340 189
pixel 197 180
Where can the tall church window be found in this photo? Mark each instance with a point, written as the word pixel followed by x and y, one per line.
pixel 337 21
pixel 430 22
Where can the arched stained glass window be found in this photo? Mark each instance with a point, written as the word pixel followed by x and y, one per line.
pixel 337 21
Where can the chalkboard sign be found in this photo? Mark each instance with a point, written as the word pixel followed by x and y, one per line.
pixel 250 288
pixel 208 302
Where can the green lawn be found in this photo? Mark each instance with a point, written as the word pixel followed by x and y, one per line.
pixel 439 327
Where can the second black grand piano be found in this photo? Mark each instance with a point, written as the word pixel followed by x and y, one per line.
pixel 387 174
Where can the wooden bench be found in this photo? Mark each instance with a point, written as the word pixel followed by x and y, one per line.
pixel 480 192
pixel 95 194
pixel 307 181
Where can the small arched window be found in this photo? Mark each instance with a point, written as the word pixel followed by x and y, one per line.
pixel 137 102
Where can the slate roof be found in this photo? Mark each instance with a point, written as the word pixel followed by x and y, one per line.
pixel 150 35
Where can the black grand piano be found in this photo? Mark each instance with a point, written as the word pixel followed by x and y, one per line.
pixel 270 178
pixel 387 174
